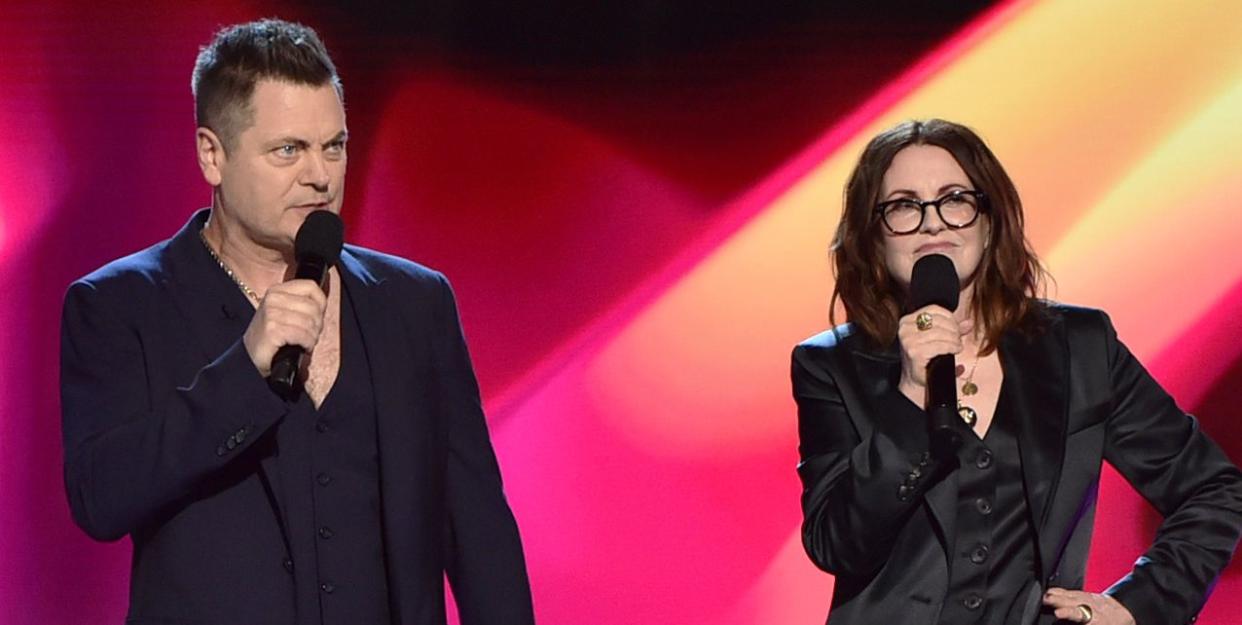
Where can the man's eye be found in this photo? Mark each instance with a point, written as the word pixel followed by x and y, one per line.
pixel 287 150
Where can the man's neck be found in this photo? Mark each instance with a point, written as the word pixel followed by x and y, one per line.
pixel 256 266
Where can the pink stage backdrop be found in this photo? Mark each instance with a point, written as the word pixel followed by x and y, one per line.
pixel 634 207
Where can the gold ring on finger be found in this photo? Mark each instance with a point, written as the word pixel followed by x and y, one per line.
pixel 1087 613
pixel 923 321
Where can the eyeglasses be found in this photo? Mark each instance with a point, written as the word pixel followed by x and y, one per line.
pixel 958 209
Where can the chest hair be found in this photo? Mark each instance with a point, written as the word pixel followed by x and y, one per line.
pixel 321 366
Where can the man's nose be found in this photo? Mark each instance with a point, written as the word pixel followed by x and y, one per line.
pixel 315 172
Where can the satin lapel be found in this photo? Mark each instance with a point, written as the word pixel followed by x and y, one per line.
pixel 1035 379
pixel 878 373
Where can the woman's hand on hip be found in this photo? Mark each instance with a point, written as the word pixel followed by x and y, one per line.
pixel 1077 606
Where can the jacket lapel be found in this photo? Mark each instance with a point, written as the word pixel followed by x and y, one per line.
pixel 214 309
pixel 1035 376
pixel 216 312
pixel 880 371
pixel 401 438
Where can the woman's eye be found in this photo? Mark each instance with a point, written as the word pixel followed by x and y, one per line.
pixel 958 199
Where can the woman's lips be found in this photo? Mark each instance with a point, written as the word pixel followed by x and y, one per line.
pixel 933 248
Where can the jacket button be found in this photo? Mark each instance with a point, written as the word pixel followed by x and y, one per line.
pixel 973 602
pixel 903 492
pixel 327 587
pixel 323 479
pixel 979 555
pixel 240 435
pixel 231 443
pixel 984 459
pixel 321 426
pixel 220 451
pixel 288 564
pixel 326 533
pixel 983 505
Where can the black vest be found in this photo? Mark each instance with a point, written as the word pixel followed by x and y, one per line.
pixel 339 547
pixel 992 556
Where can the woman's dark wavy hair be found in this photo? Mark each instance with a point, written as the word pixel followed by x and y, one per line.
pixel 1009 276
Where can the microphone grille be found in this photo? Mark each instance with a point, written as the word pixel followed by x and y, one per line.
pixel 934 281
pixel 320 236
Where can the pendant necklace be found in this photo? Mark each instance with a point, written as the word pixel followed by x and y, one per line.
pixel 969 388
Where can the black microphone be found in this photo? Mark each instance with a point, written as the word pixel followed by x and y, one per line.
pixel 934 281
pixel 316 248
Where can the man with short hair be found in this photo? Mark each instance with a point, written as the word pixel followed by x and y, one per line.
pixel 345 504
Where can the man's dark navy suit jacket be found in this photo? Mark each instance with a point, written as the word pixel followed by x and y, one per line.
pixel 170 437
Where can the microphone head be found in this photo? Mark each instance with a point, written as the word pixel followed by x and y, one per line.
pixel 934 281
pixel 320 237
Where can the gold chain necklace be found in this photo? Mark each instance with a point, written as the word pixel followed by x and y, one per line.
pixel 969 388
pixel 241 285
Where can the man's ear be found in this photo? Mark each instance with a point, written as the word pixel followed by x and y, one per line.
pixel 210 154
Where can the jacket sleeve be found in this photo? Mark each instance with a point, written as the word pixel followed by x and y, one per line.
pixel 485 565
pixel 1163 453
pixel 858 489
pixel 132 451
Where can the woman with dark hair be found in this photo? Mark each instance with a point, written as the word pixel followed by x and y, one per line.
pixel 997 530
